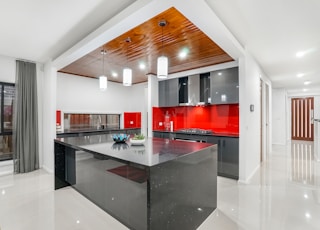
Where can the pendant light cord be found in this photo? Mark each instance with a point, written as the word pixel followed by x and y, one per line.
pixel 103 52
pixel 162 23
pixel 162 40
pixel 103 61
pixel 128 40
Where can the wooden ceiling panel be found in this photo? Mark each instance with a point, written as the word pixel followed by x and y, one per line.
pixel 148 41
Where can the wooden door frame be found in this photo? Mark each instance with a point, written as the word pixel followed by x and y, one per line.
pixel 299 120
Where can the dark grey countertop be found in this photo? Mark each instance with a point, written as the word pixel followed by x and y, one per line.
pixel 222 134
pixel 154 151
pixel 90 130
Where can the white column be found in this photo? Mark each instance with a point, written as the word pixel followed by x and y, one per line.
pixel 153 93
pixel 49 116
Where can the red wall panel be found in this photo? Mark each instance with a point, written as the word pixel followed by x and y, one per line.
pixel 58 117
pixel 132 119
pixel 217 118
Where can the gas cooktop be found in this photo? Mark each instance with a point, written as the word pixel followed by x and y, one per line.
pixel 195 131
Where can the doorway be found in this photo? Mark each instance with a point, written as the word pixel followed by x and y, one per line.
pixel 261 120
pixel 264 119
pixel 302 119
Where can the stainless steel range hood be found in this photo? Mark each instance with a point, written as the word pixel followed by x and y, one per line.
pixel 193 91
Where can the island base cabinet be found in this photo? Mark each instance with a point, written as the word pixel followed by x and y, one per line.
pixel 176 194
pixel 182 194
pixel 64 166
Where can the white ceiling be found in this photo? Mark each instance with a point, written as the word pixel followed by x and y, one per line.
pixel 272 31
pixel 40 30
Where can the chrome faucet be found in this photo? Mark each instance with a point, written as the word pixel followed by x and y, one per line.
pixel 99 121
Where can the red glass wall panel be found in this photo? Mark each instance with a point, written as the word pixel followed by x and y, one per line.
pixel 132 120
pixel 58 117
pixel 217 118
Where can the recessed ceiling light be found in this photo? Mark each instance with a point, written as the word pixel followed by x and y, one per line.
pixel 114 74
pixel 300 54
pixel 142 66
pixel 304 90
pixel 300 74
pixel 219 73
pixel 308 216
pixel 183 53
pixel 305 196
pixel 307 82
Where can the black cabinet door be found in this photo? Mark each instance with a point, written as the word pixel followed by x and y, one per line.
pixel 162 93
pixel 225 86
pixel 230 157
pixel 168 93
pixel 183 90
pixel 205 94
pixel 158 134
pixel 165 135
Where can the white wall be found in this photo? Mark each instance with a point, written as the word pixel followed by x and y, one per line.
pixel 249 81
pixel 82 95
pixel 7 69
pixel 153 100
pixel 279 113
pixel 49 118
pixel 316 107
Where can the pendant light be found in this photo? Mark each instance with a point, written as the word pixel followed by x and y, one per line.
pixel 127 72
pixel 162 62
pixel 103 80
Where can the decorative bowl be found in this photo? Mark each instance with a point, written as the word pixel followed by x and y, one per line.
pixel 137 141
pixel 120 138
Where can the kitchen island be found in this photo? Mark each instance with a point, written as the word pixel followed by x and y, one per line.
pixel 163 184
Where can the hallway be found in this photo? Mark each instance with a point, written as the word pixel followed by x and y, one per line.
pixel 283 194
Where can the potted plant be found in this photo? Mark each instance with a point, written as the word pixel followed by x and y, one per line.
pixel 137 139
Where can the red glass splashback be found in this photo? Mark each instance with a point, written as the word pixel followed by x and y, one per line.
pixel 58 117
pixel 218 118
pixel 132 120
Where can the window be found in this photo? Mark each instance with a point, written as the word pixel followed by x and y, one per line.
pixel 76 122
pixel 7 94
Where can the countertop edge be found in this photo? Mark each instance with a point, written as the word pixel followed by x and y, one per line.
pixel 82 148
pixel 93 131
pixel 200 134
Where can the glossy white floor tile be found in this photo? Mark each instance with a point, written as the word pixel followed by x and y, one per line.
pixel 283 194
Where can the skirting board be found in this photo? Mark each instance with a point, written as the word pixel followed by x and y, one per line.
pixel 47 169
pixel 247 181
pixel 6 168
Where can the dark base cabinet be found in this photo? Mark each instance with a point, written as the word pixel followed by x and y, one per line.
pixel 228 155
pixel 161 134
pixel 228 150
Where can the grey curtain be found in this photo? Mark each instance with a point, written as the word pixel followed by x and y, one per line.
pixel 25 132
